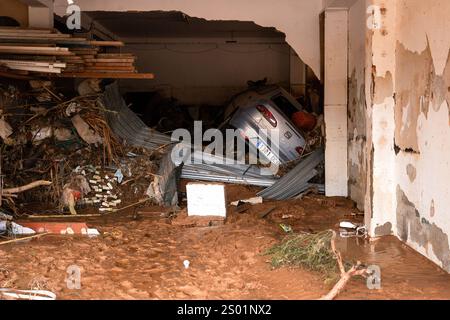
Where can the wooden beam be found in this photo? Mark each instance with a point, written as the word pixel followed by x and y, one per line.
pixel 51 51
pixel 105 75
pixel 33 63
pixel 107 43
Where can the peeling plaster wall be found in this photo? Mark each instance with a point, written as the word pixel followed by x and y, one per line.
pixel 380 99
pixel 411 126
pixel 357 169
pixel 298 19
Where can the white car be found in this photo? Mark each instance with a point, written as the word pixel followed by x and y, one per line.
pixel 267 107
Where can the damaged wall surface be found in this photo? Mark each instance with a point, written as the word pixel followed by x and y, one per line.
pixel 298 19
pixel 356 125
pixel 410 126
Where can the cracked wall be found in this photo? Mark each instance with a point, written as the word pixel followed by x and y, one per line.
pixel 410 126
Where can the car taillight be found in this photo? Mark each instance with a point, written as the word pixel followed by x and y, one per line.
pixel 299 150
pixel 267 115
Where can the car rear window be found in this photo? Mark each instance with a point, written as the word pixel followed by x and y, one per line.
pixel 285 106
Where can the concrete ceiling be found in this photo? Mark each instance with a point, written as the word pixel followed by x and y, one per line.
pixel 328 4
pixel 161 24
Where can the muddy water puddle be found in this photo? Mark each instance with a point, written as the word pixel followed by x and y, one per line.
pixel 405 274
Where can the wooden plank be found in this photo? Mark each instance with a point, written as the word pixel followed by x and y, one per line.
pixel 110 60
pixel 111 75
pixel 21 44
pixel 128 67
pixel 112 64
pixel 107 43
pixel 33 63
pixel 36 69
pixel 53 51
pixel 113 55
pixel 10 56
pixel 80 41
pixel 26 30
pixel 34 35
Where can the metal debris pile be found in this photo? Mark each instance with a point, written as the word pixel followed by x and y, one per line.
pixel 66 145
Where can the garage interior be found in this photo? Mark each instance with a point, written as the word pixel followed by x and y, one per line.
pixel 94 206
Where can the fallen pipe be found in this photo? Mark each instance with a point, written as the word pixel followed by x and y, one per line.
pixel 26 187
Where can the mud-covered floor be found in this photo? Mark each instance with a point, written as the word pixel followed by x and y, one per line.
pixel 143 259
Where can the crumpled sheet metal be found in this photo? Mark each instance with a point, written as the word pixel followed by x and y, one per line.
pixel 207 167
pixel 296 180
pixel 127 125
pixel 163 189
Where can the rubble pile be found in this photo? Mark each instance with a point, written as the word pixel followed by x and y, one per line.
pixel 68 143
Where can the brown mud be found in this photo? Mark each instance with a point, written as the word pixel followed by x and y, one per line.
pixel 143 258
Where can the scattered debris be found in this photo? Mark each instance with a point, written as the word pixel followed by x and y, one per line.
pixel 254 200
pixel 78 150
pixel 24 238
pixel 15 294
pixel 286 228
pixel 14 229
pixel 349 229
pixel 61 228
pixel 5 129
pixel 85 131
pixel 267 212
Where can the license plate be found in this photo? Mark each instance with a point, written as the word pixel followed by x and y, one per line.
pixel 269 154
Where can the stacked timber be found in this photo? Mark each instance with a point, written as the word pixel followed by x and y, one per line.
pixel 38 52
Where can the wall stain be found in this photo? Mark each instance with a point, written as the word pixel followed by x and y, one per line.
pixel 432 209
pixel 411 172
pixel 414 229
pixel 356 129
pixel 384 230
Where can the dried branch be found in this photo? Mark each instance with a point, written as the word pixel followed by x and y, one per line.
pixel 26 187
pixel 345 275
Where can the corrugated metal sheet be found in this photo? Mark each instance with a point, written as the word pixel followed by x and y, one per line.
pixel 296 180
pixel 127 125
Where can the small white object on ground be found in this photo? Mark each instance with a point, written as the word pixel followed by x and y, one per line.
pixel 16 229
pixel 186 264
pixel 254 200
pixel 347 225
pixel 206 199
pixel 28 294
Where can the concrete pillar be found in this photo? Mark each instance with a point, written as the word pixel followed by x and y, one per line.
pixel 335 79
